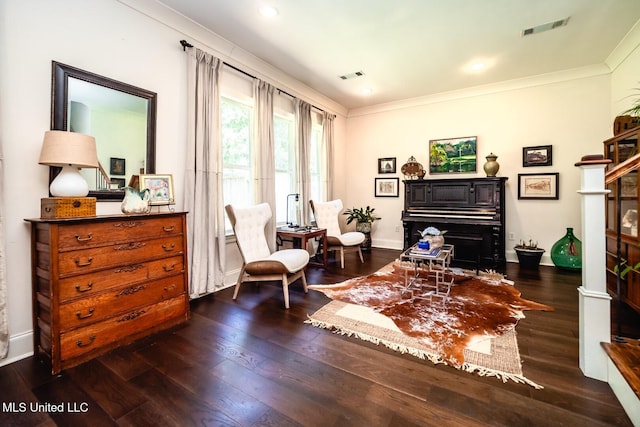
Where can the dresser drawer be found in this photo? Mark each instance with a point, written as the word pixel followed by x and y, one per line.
pixel 86 260
pixel 94 337
pixel 89 284
pixel 84 235
pixel 89 310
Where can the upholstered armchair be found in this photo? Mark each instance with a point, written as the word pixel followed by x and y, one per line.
pixel 326 215
pixel 259 264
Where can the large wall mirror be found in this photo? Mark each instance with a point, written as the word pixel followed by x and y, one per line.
pixel 122 119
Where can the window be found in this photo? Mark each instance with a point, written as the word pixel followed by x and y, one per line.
pixel 235 123
pixel 285 165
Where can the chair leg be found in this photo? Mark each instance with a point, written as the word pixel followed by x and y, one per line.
pixel 341 257
pixel 360 252
pixel 285 290
pixel 304 282
pixel 239 282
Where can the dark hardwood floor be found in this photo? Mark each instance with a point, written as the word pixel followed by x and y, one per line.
pixel 253 363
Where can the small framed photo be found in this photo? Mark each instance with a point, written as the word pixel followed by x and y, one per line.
pixel 118 183
pixel 387 187
pixel 160 188
pixel 387 165
pixel 537 156
pixel 118 166
pixel 538 186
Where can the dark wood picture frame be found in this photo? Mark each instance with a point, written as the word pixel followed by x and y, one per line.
pixel 539 155
pixel 538 186
pixel 386 165
pixel 387 187
pixel 117 166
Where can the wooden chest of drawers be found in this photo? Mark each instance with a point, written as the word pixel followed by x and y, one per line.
pixel 102 282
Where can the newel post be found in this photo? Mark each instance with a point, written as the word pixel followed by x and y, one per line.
pixel 595 308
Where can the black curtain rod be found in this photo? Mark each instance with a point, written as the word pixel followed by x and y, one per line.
pixel 185 44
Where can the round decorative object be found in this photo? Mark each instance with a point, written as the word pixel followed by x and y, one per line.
pixel 567 252
pixel 491 166
pixel 412 169
pixel 135 202
pixel 434 241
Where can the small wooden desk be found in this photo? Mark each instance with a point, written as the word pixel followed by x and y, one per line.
pixel 300 239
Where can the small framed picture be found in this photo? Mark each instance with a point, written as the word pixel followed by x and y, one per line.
pixel 537 156
pixel 387 165
pixel 118 166
pixel 538 186
pixel 387 187
pixel 118 183
pixel 160 188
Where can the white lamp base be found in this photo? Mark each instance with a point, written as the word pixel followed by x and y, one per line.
pixel 69 183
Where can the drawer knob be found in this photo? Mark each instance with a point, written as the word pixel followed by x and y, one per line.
pixel 79 343
pixel 89 286
pixel 169 248
pixel 79 314
pixel 168 229
pixel 83 264
pixel 170 288
pixel 84 239
pixel 169 267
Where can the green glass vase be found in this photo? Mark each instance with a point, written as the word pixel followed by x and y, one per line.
pixel 567 252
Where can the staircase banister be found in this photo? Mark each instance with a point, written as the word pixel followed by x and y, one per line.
pixel 629 165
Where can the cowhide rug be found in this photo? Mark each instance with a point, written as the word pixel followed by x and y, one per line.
pixel 478 307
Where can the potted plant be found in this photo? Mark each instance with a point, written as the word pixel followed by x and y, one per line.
pixel 529 254
pixel 434 236
pixel 363 217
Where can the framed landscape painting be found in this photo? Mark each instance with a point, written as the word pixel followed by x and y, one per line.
pixel 453 155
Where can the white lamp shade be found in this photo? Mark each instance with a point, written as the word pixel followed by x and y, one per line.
pixel 69 183
pixel 61 148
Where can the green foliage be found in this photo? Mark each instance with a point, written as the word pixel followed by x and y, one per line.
pixel 627 268
pixel 635 109
pixel 361 215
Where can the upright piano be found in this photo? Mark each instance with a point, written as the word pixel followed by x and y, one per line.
pixel 471 210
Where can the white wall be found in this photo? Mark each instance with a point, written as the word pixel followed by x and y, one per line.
pixel 109 38
pixel 571 115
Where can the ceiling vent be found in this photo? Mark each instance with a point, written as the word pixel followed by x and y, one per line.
pixel 352 75
pixel 545 27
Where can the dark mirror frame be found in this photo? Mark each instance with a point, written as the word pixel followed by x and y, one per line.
pixel 59 102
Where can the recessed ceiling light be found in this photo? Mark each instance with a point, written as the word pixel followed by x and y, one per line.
pixel 268 11
pixel 478 66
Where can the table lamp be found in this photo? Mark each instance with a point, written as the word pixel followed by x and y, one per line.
pixel 71 151
pixel 296 197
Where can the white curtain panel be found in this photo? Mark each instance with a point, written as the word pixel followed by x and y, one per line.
pixel 203 176
pixel 4 326
pixel 302 111
pixel 326 152
pixel 264 163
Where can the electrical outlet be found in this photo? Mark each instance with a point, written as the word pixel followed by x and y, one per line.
pixel 512 236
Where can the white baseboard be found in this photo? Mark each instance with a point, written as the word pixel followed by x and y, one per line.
pixel 20 347
pixel 626 396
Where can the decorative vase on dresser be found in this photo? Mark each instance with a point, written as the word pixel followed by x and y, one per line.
pixel 102 282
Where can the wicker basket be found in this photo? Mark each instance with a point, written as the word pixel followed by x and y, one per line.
pixel 67 207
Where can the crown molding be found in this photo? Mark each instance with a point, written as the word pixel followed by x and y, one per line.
pixel 504 86
pixel 222 48
pixel 627 45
